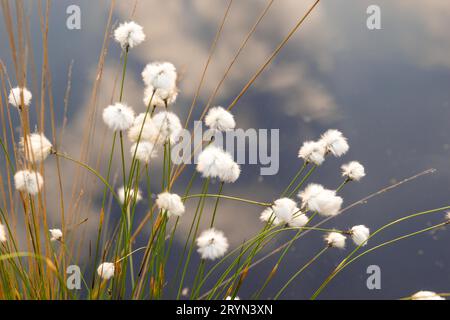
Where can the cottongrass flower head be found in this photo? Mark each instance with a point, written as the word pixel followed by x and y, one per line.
pixel 286 211
pixel 219 119
pixel 106 270
pixel 212 244
pixel 2 233
pixel 335 142
pixel 129 34
pixel 36 147
pixel 28 181
pixel 118 117
pixel 144 151
pixel 55 234
pixel 146 132
pixel 318 199
pixel 170 203
pixel 426 295
pixel 15 97
pixel 214 162
pixel 159 98
pixel 168 127
pixel 335 240
pixel 269 216
pixel 313 152
pixel 231 298
pixel 353 171
pixel 131 195
pixel 447 216
pixel 231 172
pixel 160 76
pixel 360 234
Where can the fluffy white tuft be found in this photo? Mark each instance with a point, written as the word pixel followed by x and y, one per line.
pixel 267 215
pixel 353 170
pixel 212 244
pixel 36 148
pixel 55 234
pixel 335 142
pixel 168 127
pixel 118 117
pixel 298 220
pixel 313 152
pixel 231 174
pixel 161 76
pixel 335 240
pixel 160 97
pixel 231 298
pixel 171 203
pixel 15 97
pixel 106 270
pixel 2 233
pixel 144 151
pixel 214 162
pixel 286 211
pixel 360 234
pixel 318 199
pixel 220 119
pixel 130 195
pixel 149 129
pixel 29 182
pixel 426 295
pixel 129 34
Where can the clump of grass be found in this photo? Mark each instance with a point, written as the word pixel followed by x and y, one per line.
pixel 34 255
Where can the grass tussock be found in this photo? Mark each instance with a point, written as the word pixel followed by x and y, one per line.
pixel 129 247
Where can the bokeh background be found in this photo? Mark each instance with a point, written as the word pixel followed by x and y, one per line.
pixel 387 90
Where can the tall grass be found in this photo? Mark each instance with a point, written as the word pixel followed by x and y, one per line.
pixel 32 266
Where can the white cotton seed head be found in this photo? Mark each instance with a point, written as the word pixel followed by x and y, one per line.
pixel 230 173
pixel 214 162
pixel 323 201
pixel 426 295
pixel 118 117
pixel 106 270
pixel 360 234
pixel 335 142
pixel 15 97
pixel 231 298
pixel 29 182
pixel 55 234
pixel 447 216
pixel 313 152
pixel 267 215
pixel 2 233
pixel 161 76
pixel 168 128
pixel 220 119
pixel 144 151
pixel 212 244
pixel 36 147
pixel 129 34
pixel 160 98
pixel 170 203
pixel 131 195
pixel 298 220
pixel 353 170
pixel 284 209
pixel 335 240
pixel 146 132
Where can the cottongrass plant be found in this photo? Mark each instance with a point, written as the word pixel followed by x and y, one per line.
pixel 120 269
